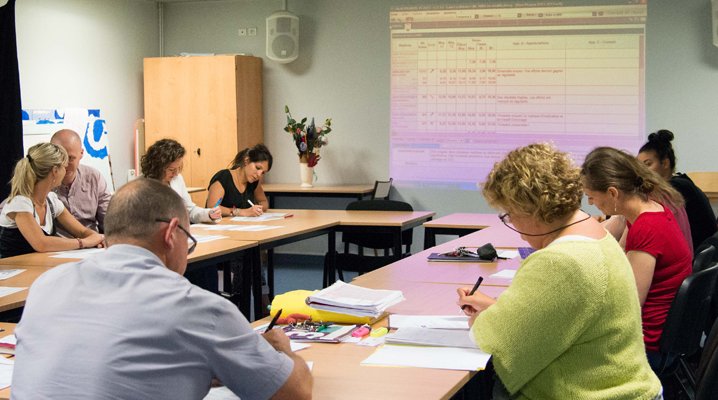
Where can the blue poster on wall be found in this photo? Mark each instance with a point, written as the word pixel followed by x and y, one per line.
pixel 40 124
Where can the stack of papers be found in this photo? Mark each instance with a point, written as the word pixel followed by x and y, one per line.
pixel 354 300
pixel 432 337
pixel 430 341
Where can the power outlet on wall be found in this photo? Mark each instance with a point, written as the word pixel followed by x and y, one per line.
pixel 242 31
pixel 131 174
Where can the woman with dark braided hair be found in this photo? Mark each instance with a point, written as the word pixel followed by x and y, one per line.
pixel 657 154
pixel 620 185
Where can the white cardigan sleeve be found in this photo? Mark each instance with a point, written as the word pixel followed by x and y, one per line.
pixel 196 214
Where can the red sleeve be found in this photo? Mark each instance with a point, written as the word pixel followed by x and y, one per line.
pixel 642 236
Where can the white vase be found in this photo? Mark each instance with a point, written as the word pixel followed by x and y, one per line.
pixel 306 175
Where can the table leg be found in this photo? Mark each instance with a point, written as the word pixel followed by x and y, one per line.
pixel 330 275
pixel 256 282
pixel 429 238
pixel 398 251
pixel 270 272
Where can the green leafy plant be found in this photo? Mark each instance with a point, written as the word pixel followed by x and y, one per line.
pixel 308 138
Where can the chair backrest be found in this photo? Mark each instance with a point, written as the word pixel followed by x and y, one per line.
pixel 378 240
pixel 687 317
pixel 704 257
pixel 382 189
pixel 710 240
pixel 707 371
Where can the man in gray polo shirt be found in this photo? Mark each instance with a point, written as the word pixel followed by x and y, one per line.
pixel 83 191
pixel 126 324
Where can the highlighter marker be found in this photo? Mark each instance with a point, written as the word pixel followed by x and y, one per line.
pixel 361 331
pixel 379 332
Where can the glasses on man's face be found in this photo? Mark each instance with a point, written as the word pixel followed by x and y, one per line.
pixel 186 232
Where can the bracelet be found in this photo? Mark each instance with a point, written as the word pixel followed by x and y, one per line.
pixel 79 241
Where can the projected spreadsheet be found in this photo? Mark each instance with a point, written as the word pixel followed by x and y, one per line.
pixel 470 84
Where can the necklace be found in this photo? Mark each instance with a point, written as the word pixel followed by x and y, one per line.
pixel 547 233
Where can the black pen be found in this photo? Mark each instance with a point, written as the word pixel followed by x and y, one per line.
pixel 274 321
pixel 473 290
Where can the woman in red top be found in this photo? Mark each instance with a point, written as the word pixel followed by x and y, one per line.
pixel 618 184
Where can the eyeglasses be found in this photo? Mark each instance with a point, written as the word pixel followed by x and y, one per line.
pixel 186 232
pixel 506 219
pixel 462 251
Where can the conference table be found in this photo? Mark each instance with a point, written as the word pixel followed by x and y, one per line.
pixel 429 289
pixel 34 264
pixel 304 224
pixel 274 190
pixel 456 224
pixel 418 268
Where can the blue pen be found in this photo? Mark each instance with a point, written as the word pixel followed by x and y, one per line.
pixel 218 202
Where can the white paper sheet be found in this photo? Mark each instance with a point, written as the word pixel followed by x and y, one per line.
pixel 432 337
pixel 236 228
pixel 507 254
pixel 9 273
pixel 429 357
pixel 6 366
pixel 429 321
pixel 504 274
pixel 77 254
pixel 208 238
pixel 264 217
pixel 9 339
pixel 5 291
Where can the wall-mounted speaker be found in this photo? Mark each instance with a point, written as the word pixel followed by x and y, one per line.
pixel 282 37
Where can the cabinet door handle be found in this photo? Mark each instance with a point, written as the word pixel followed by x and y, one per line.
pixel 199 152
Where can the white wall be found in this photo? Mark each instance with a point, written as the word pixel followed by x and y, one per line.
pixel 342 72
pixel 88 54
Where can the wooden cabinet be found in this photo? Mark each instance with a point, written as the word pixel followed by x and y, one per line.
pixel 212 105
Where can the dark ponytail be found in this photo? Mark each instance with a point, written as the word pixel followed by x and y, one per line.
pixel 660 143
pixel 257 153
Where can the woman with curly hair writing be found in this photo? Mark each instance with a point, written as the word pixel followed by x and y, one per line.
pixel 568 327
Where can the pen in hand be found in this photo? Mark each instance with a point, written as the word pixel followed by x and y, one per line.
pixel 274 321
pixel 253 206
pixel 473 290
pixel 218 202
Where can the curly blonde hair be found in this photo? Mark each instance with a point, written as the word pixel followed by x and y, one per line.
pixel 535 180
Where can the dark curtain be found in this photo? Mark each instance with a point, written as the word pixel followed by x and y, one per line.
pixel 10 109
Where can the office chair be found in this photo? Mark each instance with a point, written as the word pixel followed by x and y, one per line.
pixel 707 372
pixel 359 262
pixel 683 329
pixel 382 189
pixel 704 257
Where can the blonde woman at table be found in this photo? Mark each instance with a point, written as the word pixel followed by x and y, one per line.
pixel 240 187
pixel 618 184
pixel 163 161
pixel 27 221
pixel 569 325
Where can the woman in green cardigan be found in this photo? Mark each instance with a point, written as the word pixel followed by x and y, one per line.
pixel 569 326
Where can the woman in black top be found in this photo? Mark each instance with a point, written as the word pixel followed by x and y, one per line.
pixel 657 154
pixel 240 186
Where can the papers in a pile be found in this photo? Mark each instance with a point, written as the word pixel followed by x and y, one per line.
pixel 354 300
